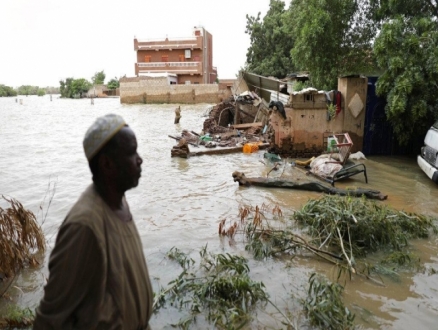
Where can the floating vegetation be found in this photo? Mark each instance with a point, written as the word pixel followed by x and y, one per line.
pixel 20 238
pixel 339 230
pixel 220 288
pixel 324 307
pixel 17 317
pixel 360 225
pixel 399 258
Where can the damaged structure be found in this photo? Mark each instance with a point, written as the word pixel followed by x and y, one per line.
pixel 312 117
pixel 297 124
pixel 325 126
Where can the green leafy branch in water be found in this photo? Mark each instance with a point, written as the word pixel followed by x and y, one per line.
pixel 324 306
pixel 17 317
pixel 220 289
pixel 360 225
pixel 342 229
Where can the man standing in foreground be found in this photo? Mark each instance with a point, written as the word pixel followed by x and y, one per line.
pixel 98 274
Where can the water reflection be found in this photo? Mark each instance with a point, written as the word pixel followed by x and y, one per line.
pixel 179 202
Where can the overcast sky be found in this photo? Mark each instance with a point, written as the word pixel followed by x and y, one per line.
pixel 47 40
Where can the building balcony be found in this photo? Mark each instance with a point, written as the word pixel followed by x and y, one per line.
pixel 168 44
pixel 171 67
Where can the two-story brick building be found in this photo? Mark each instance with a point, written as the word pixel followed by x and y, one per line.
pixel 190 58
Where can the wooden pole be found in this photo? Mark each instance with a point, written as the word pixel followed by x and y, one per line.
pixel 177 115
pixel 236 115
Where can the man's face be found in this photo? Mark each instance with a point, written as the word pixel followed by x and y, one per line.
pixel 126 159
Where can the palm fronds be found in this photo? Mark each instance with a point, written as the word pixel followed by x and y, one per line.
pixel 21 237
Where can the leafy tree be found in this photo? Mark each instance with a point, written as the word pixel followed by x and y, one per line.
pixel 80 86
pixel 98 78
pixel 28 90
pixel 41 92
pixel 387 9
pixel 74 88
pixel 113 83
pixel 65 88
pixel 332 37
pixel 7 91
pixel 407 50
pixel 271 42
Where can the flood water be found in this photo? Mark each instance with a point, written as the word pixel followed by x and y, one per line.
pixel 180 202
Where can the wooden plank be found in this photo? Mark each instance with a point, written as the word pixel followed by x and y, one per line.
pixel 248 125
pixel 223 151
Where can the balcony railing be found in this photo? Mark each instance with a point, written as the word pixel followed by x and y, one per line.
pixel 172 67
pixel 167 64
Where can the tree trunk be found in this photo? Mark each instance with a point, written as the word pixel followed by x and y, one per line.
pixel 310 186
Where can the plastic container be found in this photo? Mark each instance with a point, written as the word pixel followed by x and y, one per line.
pixel 250 148
pixel 206 138
pixel 331 144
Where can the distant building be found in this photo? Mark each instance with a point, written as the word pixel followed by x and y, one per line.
pixel 190 58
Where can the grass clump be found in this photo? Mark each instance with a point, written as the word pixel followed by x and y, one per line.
pixel 20 238
pixel 360 225
pixel 324 307
pixel 220 289
pixel 17 317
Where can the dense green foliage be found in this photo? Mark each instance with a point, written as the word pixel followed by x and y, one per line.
pixel 407 50
pixel 332 38
pixel 324 306
pixel 220 289
pixel 98 78
pixel 7 91
pixel 74 88
pixel 17 317
pixel 113 83
pixel 325 37
pixel 271 42
pixel 30 90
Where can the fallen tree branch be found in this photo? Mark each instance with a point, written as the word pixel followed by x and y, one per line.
pixel 309 186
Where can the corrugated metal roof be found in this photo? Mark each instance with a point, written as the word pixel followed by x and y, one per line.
pixel 262 85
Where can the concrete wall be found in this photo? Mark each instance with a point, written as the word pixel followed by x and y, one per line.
pixel 157 90
pixel 97 91
pixel 354 94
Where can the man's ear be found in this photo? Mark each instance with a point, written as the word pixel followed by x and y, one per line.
pixel 106 163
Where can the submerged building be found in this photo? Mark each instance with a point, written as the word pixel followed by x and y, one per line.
pixel 189 58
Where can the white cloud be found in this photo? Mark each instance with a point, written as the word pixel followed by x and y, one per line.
pixel 48 40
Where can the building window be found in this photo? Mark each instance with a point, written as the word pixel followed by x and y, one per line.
pixel 187 53
pixel 147 58
pixel 165 58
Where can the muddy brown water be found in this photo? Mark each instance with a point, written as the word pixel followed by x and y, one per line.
pixel 180 203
